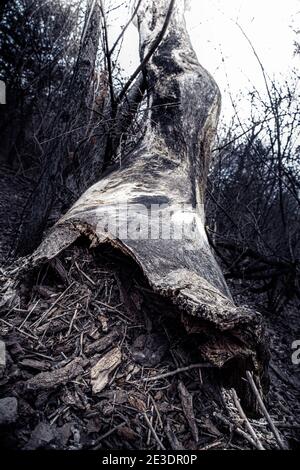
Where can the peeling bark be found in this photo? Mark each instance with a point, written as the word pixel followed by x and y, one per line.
pixel 169 165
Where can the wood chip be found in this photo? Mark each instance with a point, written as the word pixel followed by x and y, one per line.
pixel 47 380
pixel 127 433
pixel 105 366
pixel 101 344
pixel 137 403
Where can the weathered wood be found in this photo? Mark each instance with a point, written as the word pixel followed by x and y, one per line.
pixel 188 409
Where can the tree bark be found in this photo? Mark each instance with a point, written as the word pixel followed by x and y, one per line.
pixel 169 167
pixel 74 109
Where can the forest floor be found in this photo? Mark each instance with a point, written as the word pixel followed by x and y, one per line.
pixel 13 193
pixel 283 400
pixel 94 360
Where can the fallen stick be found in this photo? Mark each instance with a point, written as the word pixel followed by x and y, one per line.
pixel 237 403
pixel 149 430
pixel 39 321
pixel 30 312
pixel 157 411
pixel 85 275
pixel 265 411
pixel 19 330
pixel 175 372
pixel 72 321
pixel 235 428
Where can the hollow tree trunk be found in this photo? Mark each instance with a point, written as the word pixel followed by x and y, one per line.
pixel 169 166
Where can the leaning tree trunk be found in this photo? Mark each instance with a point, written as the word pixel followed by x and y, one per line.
pixel 169 168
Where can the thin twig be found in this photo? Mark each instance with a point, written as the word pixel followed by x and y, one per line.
pixel 156 410
pixel 265 411
pixel 84 274
pixel 174 442
pixel 237 403
pixel 19 330
pixel 212 445
pixel 108 433
pixel 30 312
pixel 162 447
pixel 72 321
pixel 175 372
pixel 148 56
pixel 37 323
pixel 235 428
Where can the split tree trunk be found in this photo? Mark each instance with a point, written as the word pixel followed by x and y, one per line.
pixel 169 166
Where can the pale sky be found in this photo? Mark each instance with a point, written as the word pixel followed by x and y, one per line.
pixel 269 25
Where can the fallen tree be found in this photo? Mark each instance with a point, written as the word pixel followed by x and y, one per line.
pixel 168 168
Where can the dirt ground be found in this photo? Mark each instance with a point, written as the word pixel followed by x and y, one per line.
pixel 95 360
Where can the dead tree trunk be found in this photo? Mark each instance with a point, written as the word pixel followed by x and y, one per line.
pixel 169 168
